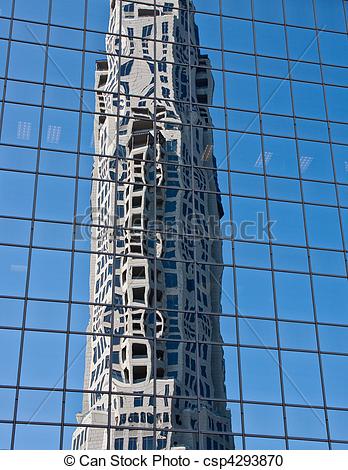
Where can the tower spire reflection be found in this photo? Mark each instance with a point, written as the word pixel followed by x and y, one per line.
pixel 153 362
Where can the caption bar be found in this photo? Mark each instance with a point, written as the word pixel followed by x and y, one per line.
pixel 192 460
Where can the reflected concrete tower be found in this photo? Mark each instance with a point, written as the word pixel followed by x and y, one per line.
pixel 153 294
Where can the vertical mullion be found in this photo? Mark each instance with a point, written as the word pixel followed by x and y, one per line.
pixel 270 240
pixel 153 346
pixel 330 139
pixel 30 249
pixel 7 66
pixel 345 13
pixel 338 210
pixel 235 290
pixel 304 215
pixel 74 228
pixel 190 17
pixel 114 223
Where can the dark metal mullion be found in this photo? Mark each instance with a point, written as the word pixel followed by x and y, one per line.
pixel 228 344
pixel 153 346
pixel 345 12
pixel 183 431
pixel 191 17
pixel 240 72
pixel 207 13
pixel 212 343
pixel 96 52
pixel 115 232
pixel 248 132
pixel 304 215
pixel 236 195
pixel 214 107
pixel 240 195
pixel 188 235
pixel 270 240
pixel 30 250
pixel 224 315
pixel 183 261
pixel 217 400
pixel 72 263
pixel 7 66
pixel 234 266
pixel 338 205
pixel 340 223
pixel 85 154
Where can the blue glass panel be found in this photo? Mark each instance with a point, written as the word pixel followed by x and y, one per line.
pixel 270 40
pixel 331 298
pixel 265 420
pixel 306 422
pixel 330 16
pixel 260 372
pixel 335 373
pixel 294 296
pixel 299 13
pixel 261 302
pixel 302 385
pixel 238 35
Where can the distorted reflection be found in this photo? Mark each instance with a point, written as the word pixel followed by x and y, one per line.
pixel 165 377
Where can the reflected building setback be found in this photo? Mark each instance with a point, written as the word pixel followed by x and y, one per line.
pixel 155 293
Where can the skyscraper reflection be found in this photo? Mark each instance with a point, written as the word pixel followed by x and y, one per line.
pixel 154 364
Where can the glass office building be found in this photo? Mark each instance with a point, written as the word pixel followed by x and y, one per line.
pixel 173 224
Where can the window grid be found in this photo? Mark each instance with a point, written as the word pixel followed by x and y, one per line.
pixel 240 433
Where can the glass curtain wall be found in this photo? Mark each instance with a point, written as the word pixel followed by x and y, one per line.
pixel 173 224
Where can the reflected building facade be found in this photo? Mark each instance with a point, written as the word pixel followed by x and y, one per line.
pixel 151 292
